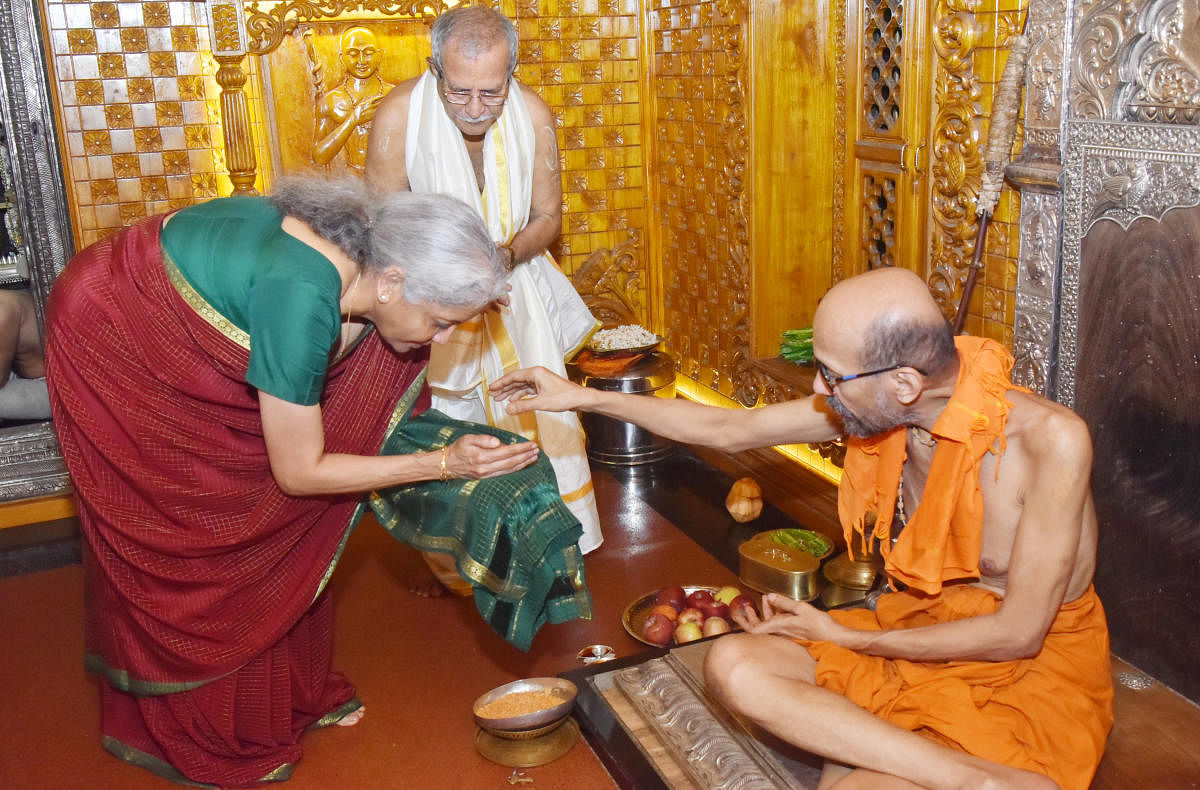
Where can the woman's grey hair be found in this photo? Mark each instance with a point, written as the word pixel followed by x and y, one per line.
pixel 441 244
pixel 475 30
pixel 892 340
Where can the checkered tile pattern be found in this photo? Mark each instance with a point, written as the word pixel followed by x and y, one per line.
pixel 581 56
pixel 132 80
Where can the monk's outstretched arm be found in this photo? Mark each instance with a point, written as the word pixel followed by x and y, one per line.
pixel 731 430
pixel 1040 570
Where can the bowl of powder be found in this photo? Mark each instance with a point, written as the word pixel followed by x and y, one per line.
pixel 525 708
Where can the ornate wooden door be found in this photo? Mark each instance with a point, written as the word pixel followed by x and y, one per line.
pixel 887 111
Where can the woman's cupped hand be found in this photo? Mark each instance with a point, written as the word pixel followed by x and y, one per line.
pixel 478 455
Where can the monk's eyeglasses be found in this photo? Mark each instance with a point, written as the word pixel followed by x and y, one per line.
pixel 832 381
pixel 487 98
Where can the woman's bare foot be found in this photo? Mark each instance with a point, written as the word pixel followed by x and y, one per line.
pixel 353 717
pixel 426 585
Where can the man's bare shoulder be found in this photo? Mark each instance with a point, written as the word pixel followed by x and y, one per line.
pixel 394 106
pixel 539 111
pixel 1048 431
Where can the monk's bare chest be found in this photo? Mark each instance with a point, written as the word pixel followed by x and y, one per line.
pixel 1002 505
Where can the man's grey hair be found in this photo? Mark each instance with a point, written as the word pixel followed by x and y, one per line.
pixel 475 30
pixel 440 243
pixel 893 340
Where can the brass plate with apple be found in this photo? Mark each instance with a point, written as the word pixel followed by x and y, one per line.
pixel 635 614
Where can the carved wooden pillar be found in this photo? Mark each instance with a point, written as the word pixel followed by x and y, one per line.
pixel 227 33
pixel 235 124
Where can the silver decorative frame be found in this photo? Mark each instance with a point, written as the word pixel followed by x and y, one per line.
pixel 1098 71
pixel 1118 172
pixel 30 462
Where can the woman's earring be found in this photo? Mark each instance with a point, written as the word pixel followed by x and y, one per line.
pixel 383 297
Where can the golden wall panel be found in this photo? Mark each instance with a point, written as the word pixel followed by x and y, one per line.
pixel 131 85
pixel 698 76
pixel 584 58
pixel 972 41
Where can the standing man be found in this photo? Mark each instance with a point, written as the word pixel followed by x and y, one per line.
pixel 468 128
pixel 344 113
pixel 988 665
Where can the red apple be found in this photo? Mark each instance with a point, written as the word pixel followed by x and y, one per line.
pixel 658 629
pixel 694 598
pixel 715 625
pixel 687 632
pixel 666 610
pixel 690 615
pixel 673 596
pixel 714 609
pixel 742 601
pixel 726 594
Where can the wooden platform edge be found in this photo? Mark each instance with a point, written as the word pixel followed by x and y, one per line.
pixel 36 510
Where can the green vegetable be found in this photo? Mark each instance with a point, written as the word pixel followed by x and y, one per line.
pixel 797 346
pixel 804 539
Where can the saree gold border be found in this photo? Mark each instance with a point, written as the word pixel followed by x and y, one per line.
pixel 402 408
pixel 201 305
pixel 337 714
pixel 122 681
pixel 153 764
pixel 475 571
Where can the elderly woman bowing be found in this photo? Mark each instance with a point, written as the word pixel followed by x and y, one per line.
pixel 223 380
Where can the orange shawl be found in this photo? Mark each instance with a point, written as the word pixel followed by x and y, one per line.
pixel 942 539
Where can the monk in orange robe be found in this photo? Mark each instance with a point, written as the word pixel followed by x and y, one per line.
pixel 987 665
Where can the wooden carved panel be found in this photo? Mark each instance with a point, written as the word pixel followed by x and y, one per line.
pixel 701 140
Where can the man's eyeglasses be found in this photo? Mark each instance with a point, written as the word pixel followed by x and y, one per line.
pixel 832 381
pixel 487 98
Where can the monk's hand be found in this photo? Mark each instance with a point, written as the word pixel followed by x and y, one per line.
pixel 535 388
pixel 478 455
pixel 793 619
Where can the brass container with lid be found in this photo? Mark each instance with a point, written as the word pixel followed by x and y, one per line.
pixel 766 566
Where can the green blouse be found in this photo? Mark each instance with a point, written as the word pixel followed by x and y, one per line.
pixel 277 289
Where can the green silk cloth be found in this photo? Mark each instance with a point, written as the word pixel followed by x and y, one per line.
pixel 511 536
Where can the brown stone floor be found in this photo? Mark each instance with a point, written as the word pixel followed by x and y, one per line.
pixel 418 664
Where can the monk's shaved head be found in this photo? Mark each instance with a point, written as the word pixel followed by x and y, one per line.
pixel 881 318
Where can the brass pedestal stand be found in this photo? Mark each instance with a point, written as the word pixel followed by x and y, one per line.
pixel 528 752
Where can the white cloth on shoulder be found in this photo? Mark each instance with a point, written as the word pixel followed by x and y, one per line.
pixel 546 321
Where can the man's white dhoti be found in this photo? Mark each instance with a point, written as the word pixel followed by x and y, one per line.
pixel 546 321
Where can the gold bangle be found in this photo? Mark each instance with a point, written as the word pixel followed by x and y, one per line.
pixel 445 473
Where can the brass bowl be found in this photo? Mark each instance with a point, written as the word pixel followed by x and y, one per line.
pixel 765 566
pixel 524 735
pixel 527 725
pixel 855 574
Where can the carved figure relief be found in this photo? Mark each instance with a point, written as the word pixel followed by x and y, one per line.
pixel 344 112
pixel 323 82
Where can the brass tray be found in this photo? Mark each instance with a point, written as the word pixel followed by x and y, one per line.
pixel 528 753
pixel 635 614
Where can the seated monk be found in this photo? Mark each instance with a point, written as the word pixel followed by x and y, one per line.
pixel 987 662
